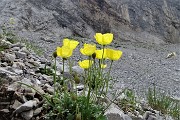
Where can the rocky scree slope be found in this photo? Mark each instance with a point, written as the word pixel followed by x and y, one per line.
pixel 17 102
pixel 146 20
pixel 47 22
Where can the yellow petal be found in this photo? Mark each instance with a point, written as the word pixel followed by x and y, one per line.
pixel 104 39
pixel 64 52
pixel 114 54
pixel 107 38
pixel 88 49
pixel 103 65
pixel 100 54
pixel 66 42
pixel 72 44
pixel 85 64
pixel 99 38
pixel 58 50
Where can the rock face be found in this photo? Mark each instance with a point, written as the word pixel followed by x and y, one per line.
pixel 145 20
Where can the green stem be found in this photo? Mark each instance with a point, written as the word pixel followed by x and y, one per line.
pixel 102 62
pixel 89 82
pixel 55 77
pixel 63 72
pixel 107 80
pixel 85 82
pixel 70 66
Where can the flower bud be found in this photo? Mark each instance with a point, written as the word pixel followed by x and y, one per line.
pixel 55 54
pixel 94 55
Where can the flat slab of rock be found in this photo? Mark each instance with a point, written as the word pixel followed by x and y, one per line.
pixel 26 106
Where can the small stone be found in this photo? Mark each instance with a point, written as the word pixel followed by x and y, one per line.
pixel 20 55
pixel 48 88
pixel 78 69
pixel 80 87
pixel 27 115
pixel 39 89
pixel 13 78
pixel 5 42
pixel 4 64
pixel 26 106
pixel 14 87
pixel 24 49
pixel 60 67
pixel 19 65
pixel 16 104
pixel 46 77
pixel 5 111
pixel 147 114
pixel 28 65
pixel 114 113
pixel 15 49
pixel 18 44
pixel 151 117
pixel 27 81
pixel 18 71
pixel 34 63
pixel 9 57
pixel 126 117
pixel 37 111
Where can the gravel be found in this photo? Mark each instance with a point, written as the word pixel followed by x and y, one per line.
pixel 141 66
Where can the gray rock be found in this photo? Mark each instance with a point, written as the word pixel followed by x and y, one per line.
pixel 48 88
pixel 147 114
pixel 5 42
pixel 5 73
pixel 126 117
pixel 39 89
pixel 16 104
pixel 27 115
pixel 18 44
pixel 24 50
pixel 4 64
pixel 37 111
pixel 26 106
pixel 10 57
pixel 46 77
pixel 60 67
pixel 18 71
pixel 15 49
pixel 151 117
pixel 114 113
pixel 80 87
pixel 34 63
pixel 5 110
pixel 14 87
pixel 20 55
pixel 78 70
pixel 19 65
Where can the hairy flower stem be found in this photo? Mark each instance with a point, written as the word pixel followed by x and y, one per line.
pixel 108 75
pixel 107 80
pixel 89 82
pixel 63 73
pixel 102 62
pixel 55 77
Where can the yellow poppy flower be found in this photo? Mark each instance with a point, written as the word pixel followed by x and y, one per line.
pixel 85 64
pixel 64 52
pixel 103 65
pixel 72 44
pixel 99 54
pixel 88 49
pixel 114 54
pixel 104 39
